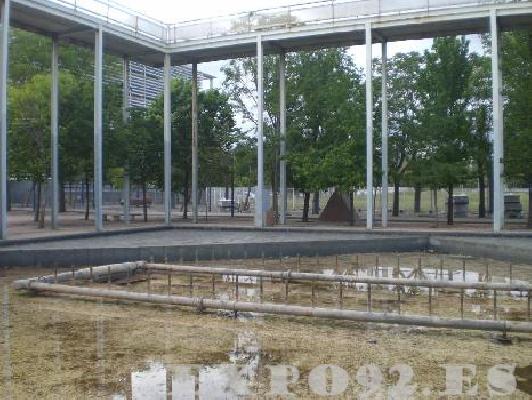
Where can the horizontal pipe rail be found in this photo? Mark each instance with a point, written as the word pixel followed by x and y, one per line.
pixel 96 274
pixel 313 277
pixel 300 311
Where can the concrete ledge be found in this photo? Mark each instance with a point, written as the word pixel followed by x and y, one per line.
pixel 518 252
pixel 101 256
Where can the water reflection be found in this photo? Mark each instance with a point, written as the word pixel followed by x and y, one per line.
pixel 229 380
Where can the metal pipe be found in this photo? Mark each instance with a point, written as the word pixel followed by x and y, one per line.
pixel 305 276
pixel 126 190
pixel 167 76
pixel 4 64
pixel 282 137
pixel 194 112
pixel 384 137
pixel 259 196
pixel 98 158
pixel 54 130
pixel 94 274
pixel 350 315
pixel 369 128
pixel 498 126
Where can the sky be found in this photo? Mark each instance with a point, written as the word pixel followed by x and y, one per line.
pixel 173 11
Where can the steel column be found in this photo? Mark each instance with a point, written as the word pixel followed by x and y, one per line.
pixel 369 128
pixel 384 137
pixel 6 6
pixel 54 130
pixel 167 141
pixel 98 89
pixel 194 110
pixel 125 116
pixel 259 214
pixel 282 137
pixel 498 133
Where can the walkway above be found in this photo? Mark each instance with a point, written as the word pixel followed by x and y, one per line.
pixel 319 24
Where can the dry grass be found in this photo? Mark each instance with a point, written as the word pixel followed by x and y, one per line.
pixel 57 347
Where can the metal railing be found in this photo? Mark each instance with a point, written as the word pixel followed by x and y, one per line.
pixel 286 17
pixel 112 13
pixel 308 14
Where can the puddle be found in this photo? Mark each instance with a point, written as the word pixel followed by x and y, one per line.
pixel 228 380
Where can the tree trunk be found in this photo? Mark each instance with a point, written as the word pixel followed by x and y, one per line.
pixel 306 204
pixel 490 189
pixel 62 198
pixel 185 197
pixel 352 207
pixel 246 202
pixel 395 207
pixel 232 193
pixel 8 194
pixel 436 211
pixel 145 201
pixel 38 202
pixel 417 199
pixel 43 206
pixel 87 199
pixel 529 220
pixel 481 196
pixel 450 206
pixel 316 202
pixel 275 197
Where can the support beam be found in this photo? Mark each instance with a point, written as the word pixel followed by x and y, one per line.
pixel 195 142
pixel 6 7
pixel 259 195
pixel 282 137
pixel 369 129
pixel 98 90
pixel 167 141
pixel 126 189
pixel 54 129
pixel 384 137
pixel 498 134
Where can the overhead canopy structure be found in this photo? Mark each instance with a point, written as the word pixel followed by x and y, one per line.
pixel 313 25
pixel 112 28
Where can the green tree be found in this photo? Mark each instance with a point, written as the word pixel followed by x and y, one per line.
pixel 517 72
pixel 443 160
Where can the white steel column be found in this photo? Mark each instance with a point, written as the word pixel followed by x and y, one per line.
pixel 282 134
pixel 369 129
pixel 6 5
pixel 194 111
pixel 167 141
pixel 498 134
pixel 98 88
pixel 259 214
pixel 54 129
pixel 126 190
pixel 384 137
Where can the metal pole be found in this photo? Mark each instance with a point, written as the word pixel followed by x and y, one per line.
pixel 259 214
pixel 125 103
pixel 498 133
pixel 384 137
pixel 98 89
pixel 6 6
pixel 194 108
pixel 282 137
pixel 167 141
pixel 369 129
pixel 305 276
pixel 54 130
pixel 351 315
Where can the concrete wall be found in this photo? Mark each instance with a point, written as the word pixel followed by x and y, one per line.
pixel 101 256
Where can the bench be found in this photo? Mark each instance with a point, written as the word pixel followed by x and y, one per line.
pixel 119 216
